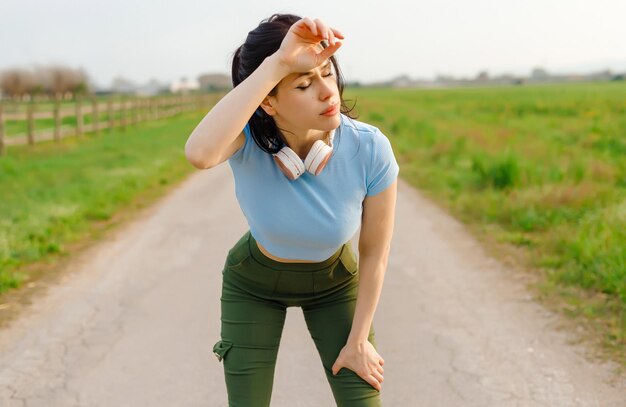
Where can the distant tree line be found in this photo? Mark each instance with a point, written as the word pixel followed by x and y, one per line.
pixel 55 82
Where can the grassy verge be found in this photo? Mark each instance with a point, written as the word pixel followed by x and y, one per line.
pixel 55 196
pixel 539 173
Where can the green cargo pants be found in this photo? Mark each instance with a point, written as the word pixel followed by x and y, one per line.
pixel 256 292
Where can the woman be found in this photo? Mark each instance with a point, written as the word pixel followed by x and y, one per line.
pixel 306 177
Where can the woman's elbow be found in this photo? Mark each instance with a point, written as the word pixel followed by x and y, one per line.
pixel 195 158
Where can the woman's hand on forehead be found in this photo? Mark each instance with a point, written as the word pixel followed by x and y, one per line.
pixel 319 30
pixel 301 49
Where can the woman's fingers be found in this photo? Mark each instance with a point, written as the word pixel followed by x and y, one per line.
pixel 331 37
pixel 328 52
pixel 378 376
pixel 337 33
pixel 376 379
pixel 311 24
pixel 306 32
pixel 334 34
pixel 319 29
pixel 329 33
pixel 322 29
pixel 374 382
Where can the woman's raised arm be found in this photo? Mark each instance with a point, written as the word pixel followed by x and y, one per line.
pixel 212 139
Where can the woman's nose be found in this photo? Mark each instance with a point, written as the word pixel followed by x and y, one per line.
pixel 327 90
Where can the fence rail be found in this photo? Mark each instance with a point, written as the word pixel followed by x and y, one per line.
pixel 117 112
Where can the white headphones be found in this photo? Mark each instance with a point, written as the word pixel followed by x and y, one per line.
pixel 292 166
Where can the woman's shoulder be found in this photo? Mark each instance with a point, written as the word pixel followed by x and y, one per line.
pixel 360 131
pixel 358 127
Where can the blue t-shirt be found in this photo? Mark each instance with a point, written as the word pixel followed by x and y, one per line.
pixel 311 217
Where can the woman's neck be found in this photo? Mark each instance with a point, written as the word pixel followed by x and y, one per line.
pixel 302 146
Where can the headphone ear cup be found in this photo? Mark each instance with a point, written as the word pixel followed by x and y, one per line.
pixel 289 163
pixel 317 158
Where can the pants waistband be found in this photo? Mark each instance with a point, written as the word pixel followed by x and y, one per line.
pixel 279 265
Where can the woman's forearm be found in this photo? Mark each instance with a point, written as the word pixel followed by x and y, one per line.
pixel 224 122
pixel 371 276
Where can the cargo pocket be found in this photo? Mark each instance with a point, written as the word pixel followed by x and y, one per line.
pixel 237 255
pixel 349 260
pixel 221 348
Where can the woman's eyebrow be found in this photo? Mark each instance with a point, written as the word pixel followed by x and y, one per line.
pixel 301 74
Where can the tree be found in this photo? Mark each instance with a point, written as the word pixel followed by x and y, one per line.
pixel 17 82
pixel 53 80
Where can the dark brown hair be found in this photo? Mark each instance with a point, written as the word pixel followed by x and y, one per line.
pixel 260 43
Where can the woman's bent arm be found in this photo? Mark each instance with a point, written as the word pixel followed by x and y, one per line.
pixel 359 355
pixel 374 245
pixel 209 141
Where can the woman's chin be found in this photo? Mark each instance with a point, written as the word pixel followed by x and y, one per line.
pixel 331 122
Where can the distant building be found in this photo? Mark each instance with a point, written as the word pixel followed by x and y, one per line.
pixel 184 85
pixel 122 85
pixel 152 88
pixel 402 81
pixel 539 74
pixel 482 76
pixel 605 75
pixel 215 81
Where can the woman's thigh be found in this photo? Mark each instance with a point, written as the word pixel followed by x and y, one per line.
pixel 329 321
pixel 251 328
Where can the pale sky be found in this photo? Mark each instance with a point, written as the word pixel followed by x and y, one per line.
pixel 141 39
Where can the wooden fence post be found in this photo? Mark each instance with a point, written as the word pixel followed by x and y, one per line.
pixel 142 109
pixel 110 114
pixel 123 114
pixel 1 130
pixel 131 111
pixel 57 118
pixel 149 108
pixel 94 115
pixel 146 108
pixel 137 105
pixel 79 115
pixel 31 122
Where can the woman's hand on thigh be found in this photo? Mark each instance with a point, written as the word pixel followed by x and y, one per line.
pixel 362 359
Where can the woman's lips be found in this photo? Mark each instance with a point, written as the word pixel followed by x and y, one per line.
pixel 331 111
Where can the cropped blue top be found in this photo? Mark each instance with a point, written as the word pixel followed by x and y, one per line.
pixel 311 217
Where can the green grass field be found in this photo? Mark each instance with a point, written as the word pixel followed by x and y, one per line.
pixel 55 194
pixel 539 168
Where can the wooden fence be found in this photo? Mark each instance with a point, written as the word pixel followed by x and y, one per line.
pixel 117 112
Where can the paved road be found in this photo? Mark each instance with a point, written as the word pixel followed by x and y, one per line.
pixel 134 319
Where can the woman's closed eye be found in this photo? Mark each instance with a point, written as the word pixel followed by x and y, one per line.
pixel 304 87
